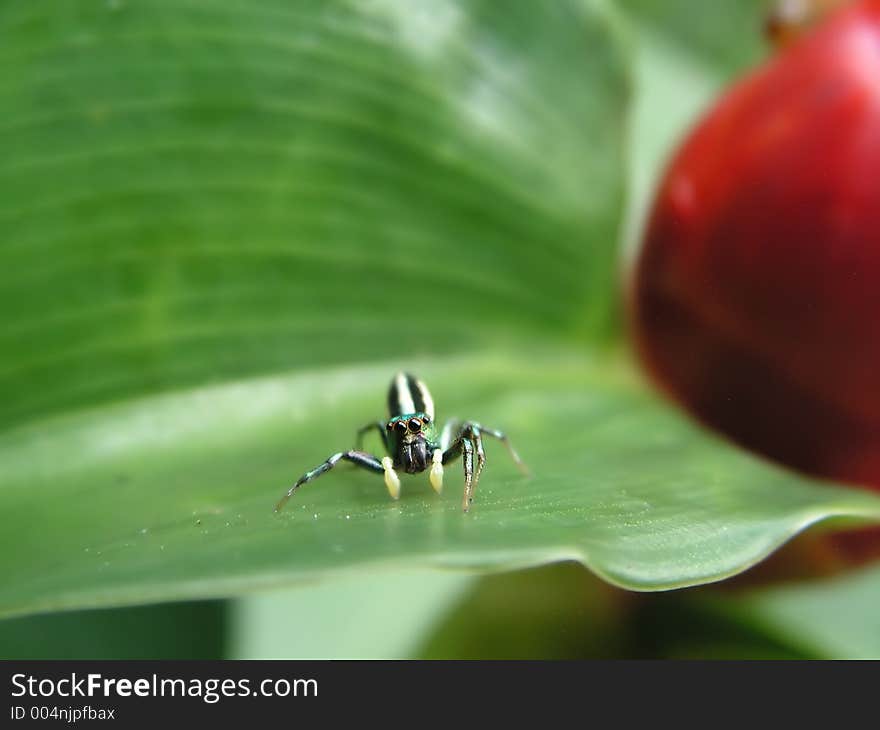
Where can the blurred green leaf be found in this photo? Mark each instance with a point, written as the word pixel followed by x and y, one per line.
pixel 195 191
pixel 697 624
pixel 362 615
pixel 671 92
pixel 557 611
pixel 722 37
pixel 831 618
pixel 684 55
pixel 192 630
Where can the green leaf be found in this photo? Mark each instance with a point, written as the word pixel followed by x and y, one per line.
pixel 357 616
pixel 557 611
pixel 671 92
pixel 191 630
pixel 723 38
pixel 199 191
pixel 832 618
pixel 685 54
pixel 171 497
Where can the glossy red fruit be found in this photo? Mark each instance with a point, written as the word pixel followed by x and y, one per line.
pixel 756 297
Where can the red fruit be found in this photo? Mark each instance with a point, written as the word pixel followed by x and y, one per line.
pixel 756 296
pixel 788 20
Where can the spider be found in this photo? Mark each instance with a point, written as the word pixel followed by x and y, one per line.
pixel 413 444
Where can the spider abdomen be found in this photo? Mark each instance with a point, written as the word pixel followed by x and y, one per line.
pixel 408 394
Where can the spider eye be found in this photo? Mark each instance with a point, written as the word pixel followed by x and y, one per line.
pixel 389 425
pixel 415 425
pixel 400 426
pixel 427 419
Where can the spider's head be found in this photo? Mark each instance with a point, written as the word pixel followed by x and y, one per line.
pixel 408 438
pixel 409 427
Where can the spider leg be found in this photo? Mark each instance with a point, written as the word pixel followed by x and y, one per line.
pixel 467 448
pixel 358 458
pixel 469 443
pixel 379 426
pixel 464 446
pixel 452 426
pixel 502 437
pixel 478 450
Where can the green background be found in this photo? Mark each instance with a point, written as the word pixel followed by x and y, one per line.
pixel 228 224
